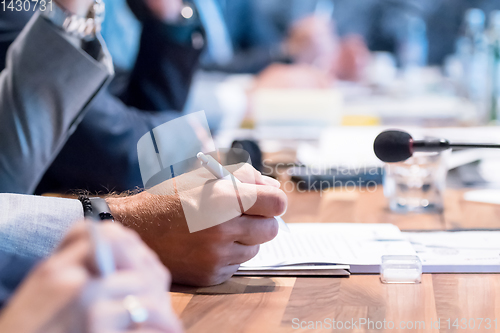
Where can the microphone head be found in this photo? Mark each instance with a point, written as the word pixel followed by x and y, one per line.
pixel 393 146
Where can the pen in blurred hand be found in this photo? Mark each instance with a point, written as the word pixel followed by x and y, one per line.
pixel 102 255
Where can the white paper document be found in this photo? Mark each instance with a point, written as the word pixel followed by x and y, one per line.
pixel 457 251
pixel 360 246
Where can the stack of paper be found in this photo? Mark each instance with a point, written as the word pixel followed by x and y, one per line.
pixel 328 249
pixel 340 249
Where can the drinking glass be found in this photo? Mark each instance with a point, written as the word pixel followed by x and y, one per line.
pixel 417 184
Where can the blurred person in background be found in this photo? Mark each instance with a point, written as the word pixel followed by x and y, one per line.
pixel 268 31
pixel 65 293
pixel 287 32
pixel 49 80
pixel 101 153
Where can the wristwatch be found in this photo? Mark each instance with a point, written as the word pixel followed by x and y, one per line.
pixel 96 208
pixel 84 28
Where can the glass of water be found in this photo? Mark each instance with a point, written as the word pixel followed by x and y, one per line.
pixel 417 185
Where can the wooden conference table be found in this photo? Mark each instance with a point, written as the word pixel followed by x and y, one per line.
pixel 282 304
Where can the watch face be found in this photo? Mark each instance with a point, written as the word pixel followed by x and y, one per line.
pixel 81 27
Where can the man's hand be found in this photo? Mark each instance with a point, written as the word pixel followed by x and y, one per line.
pixel 213 255
pixel 353 59
pixel 312 41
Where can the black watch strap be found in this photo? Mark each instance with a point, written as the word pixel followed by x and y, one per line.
pixel 95 208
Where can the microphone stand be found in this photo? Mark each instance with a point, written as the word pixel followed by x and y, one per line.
pixel 474 145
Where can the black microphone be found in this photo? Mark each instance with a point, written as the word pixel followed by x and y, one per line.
pixel 397 146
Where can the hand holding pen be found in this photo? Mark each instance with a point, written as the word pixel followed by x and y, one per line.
pixel 216 169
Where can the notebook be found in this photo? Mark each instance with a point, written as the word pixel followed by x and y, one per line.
pixel 328 248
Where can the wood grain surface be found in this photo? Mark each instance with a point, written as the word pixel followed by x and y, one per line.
pixel 456 301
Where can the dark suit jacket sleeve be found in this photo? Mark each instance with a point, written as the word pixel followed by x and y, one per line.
pixel 165 64
pixel 101 155
pixel 164 68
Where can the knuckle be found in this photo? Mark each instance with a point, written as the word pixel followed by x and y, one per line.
pixel 247 168
pixel 282 202
pixel 215 254
pixel 266 229
pixel 246 172
pixel 223 232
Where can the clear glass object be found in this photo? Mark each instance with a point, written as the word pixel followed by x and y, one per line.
pixel 400 269
pixel 417 184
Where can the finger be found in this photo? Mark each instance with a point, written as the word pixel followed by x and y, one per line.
pixel 271 181
pixel 256 230
pixel 269 201
pixel 246 173
pixel 242 253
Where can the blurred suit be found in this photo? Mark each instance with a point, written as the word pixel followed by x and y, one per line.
pixel 102 152
pixel 44 91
